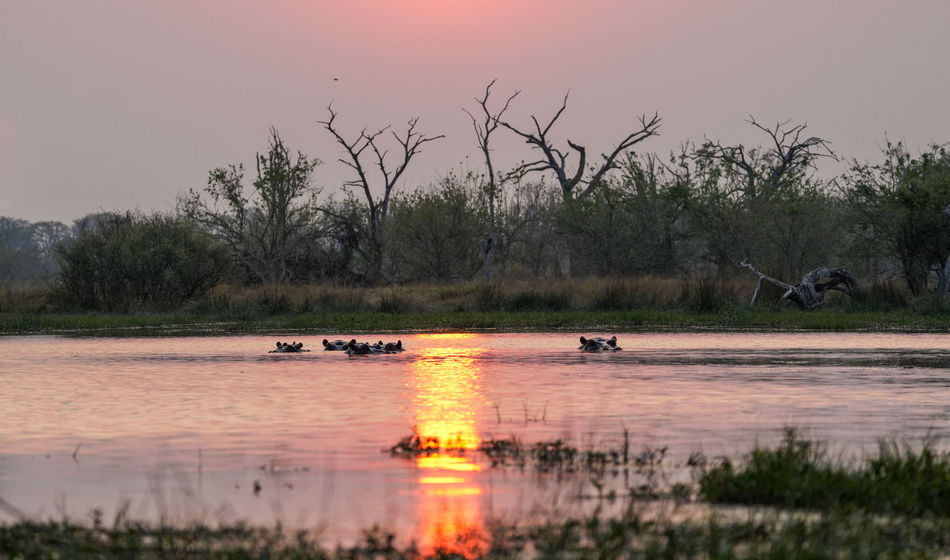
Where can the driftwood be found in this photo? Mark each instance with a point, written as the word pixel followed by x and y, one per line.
pixel 809 293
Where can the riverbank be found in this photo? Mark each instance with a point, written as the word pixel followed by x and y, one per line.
pixel 197 324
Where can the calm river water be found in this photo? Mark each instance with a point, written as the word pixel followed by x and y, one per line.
pixel 183 428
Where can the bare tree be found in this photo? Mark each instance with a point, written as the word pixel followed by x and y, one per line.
pixel 789 157
pixel 765 202
pixel 367 145
pixel 555 160
pixel 483 130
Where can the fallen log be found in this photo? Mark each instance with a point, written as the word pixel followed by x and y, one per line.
pixel 810 292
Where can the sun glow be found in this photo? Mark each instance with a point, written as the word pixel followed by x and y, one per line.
pixel 446 403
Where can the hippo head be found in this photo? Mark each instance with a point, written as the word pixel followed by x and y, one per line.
pixel 334 345
pixel 598 344
pixel 358 348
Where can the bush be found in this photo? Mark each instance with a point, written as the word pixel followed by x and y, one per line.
pixel 129 262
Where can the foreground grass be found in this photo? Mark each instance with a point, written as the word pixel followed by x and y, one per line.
pixel 839 535
pixel 894 505
pixel 370 321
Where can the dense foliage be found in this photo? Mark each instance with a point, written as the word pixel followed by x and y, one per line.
pixel 696 215
pixel 28 250
pixel 270 230
pixel 902 212
pixel 139 262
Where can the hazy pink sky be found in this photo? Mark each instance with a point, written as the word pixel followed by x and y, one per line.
pixel 115 105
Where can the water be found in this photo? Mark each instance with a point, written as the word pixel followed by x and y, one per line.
pixel 183 428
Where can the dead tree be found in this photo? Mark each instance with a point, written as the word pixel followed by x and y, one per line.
pixel 810 292
pixel 788 156
pixel 555 160
pixel 377 207
pixel 483 130
pixel 748 204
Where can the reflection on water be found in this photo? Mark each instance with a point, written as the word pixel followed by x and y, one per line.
pixel 87 423
pixel 446 400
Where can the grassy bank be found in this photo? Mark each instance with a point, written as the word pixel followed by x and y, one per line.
pixel 626 304
pixel 151 324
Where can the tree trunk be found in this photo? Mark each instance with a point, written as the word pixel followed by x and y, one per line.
pixel 810 292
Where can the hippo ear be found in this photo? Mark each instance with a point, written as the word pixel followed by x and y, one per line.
pixel 612 341
pixel 325 342
pixel 583 340
pixel 399 344
pixel 353 341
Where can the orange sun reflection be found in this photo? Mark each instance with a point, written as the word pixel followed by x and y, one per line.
pixel 446 402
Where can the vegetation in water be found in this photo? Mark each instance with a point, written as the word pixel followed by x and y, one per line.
pixel 807 506
pixel 799 474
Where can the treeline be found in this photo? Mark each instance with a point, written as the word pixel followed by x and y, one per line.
pixel 695 213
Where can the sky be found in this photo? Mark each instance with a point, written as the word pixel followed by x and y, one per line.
pixel 124 105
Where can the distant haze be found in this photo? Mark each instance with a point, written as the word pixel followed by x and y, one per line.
pixel 115 105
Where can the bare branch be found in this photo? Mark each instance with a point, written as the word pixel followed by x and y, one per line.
pixel 647 129
pixel 411 145
pixel 556 161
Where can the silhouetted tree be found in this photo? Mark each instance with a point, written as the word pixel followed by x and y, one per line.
pixel 372 227
pixel 267 228
pixel 484 126
pixel 555 160
pixel 764 203
pixel 903 210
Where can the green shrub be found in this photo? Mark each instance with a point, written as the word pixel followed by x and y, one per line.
pixel 798 474
pixel 130 262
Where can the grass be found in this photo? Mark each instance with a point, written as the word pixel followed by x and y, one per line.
pixel 618 304
pixel 899 480
pixel 375 321
pixel 844 535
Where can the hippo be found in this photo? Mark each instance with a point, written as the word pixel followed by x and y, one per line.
pixel 354 348
pixel 387 347
pixel 363 348
pixel 599 344
pixel 335 345
pixel 288 347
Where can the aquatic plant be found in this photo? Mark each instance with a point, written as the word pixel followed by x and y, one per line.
pixel 798 473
